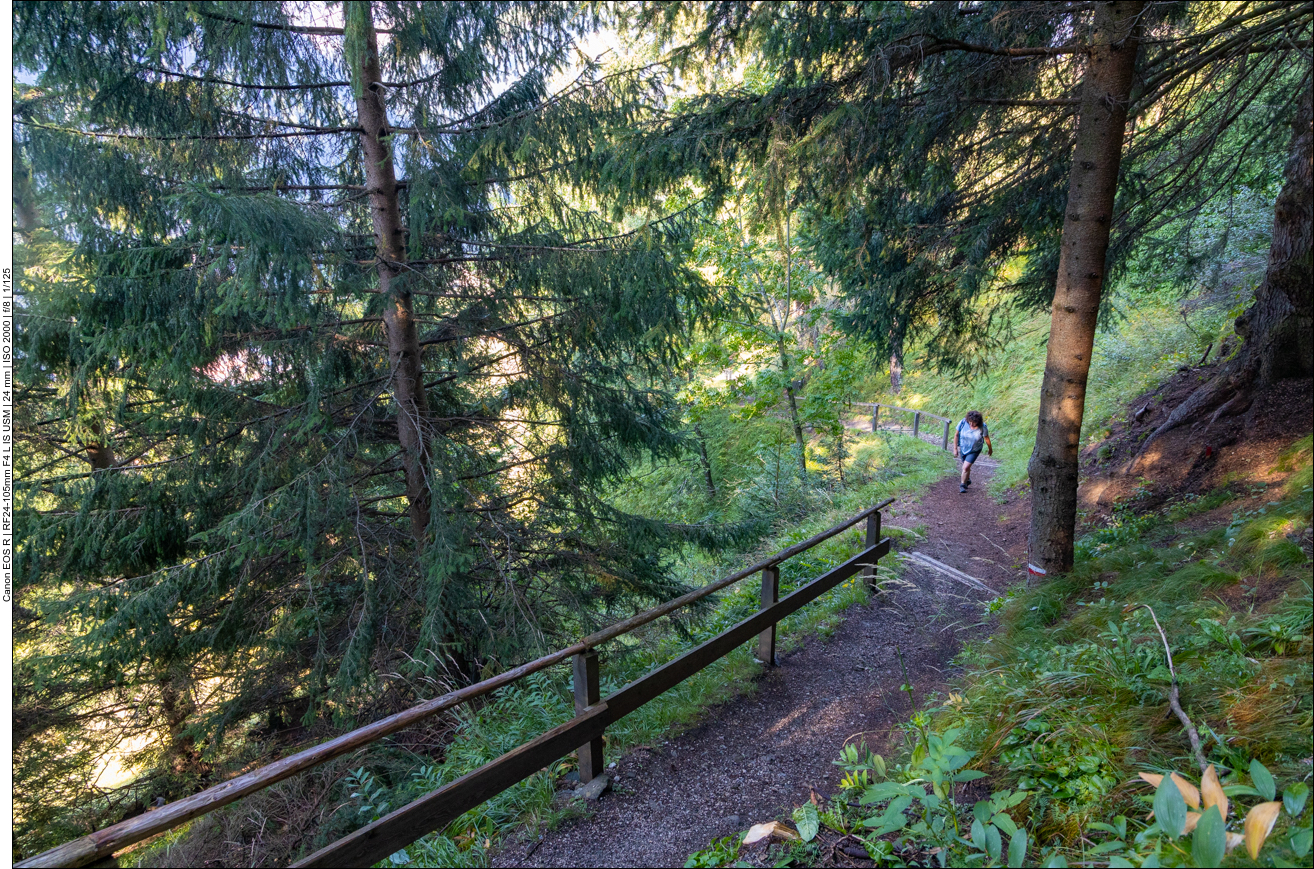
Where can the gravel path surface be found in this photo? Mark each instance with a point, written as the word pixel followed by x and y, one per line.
pixel 756 758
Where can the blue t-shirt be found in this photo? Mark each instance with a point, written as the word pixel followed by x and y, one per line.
pixel 970 440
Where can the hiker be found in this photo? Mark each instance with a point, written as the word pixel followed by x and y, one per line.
pixel 971 433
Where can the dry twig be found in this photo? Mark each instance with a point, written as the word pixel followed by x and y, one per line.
pixel 1173 702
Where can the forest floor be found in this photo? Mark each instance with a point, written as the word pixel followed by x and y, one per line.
pixel 750 760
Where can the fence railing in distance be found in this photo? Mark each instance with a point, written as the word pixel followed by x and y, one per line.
pixel 916 419
pixel 582 734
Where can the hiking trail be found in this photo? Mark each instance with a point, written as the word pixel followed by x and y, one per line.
pixel 754 758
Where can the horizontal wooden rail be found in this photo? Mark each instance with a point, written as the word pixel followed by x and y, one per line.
pixel 395 831
pixel 902 409
pixel 88 849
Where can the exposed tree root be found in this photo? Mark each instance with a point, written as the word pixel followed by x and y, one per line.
pixel 1231 390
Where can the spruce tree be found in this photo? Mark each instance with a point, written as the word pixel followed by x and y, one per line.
pixel 328 349
pixel 935 145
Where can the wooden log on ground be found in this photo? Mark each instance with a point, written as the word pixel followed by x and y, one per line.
pixel 951 572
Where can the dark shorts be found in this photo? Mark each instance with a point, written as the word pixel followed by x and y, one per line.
pixel 971 457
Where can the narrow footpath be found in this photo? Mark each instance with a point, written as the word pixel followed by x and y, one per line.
pixel 754 758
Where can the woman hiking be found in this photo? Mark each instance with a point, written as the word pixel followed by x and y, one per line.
pixel 969 437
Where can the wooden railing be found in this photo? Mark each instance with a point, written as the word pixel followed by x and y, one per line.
pixel 916 419
pixel 582 734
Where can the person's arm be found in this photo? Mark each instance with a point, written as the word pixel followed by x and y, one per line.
pixel 990 448
pixel 956 443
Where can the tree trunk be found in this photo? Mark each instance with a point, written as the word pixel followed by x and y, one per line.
pixel 896 374
pixel 702 457
pixel 1091 190
pixel 177 704
pixel 798 434
pixel 398 314
pixel 785 368
pixel 99 453
pixel 1278 328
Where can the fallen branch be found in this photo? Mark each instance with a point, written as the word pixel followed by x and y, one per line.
pixel 1173 702
pixel 996 545
pixel 951 572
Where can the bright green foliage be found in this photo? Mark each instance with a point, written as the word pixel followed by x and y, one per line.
pixel 934 142
pixel 1138 352
pixel 939 823
pixel 781 353
pixel 214 544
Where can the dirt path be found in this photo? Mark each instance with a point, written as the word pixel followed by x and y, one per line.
pixel 754 758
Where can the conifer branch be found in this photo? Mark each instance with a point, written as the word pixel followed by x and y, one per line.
pixel 219 137
pixel 286 28
pixel 243 85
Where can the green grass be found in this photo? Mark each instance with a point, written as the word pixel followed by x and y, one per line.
pixel 1068 698
pixel 1141 350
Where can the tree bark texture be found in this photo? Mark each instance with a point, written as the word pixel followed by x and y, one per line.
pixel 707 465
pixel 1092 185
pixel 798 434
pixel 398 315
pixel 1278 328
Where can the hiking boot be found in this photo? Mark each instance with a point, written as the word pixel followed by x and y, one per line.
pixel 968 483
pixel 962 489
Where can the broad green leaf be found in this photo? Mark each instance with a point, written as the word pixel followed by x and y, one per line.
pixel 968 775
pixel 1121 863
pixel 1210 838
pixel 981 811
pixel 978 835
pixel 1301 841
pixel 1004 823
pixel 1107 847
pixel 1241 791
pixel 1017 850
pixel 1151 862
pixel 882 791
pixel 1170 808
pixel 1294 797
pixel 994 845
pixel 805 818
pixel 879 826
pixel 1263 780
pixel 1055 861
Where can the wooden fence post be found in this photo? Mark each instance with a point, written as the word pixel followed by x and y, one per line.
pixel 587 693
pixel 917 422
pixel 944 445
pixel 873 537
pixel 766 641
pixel 875 416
